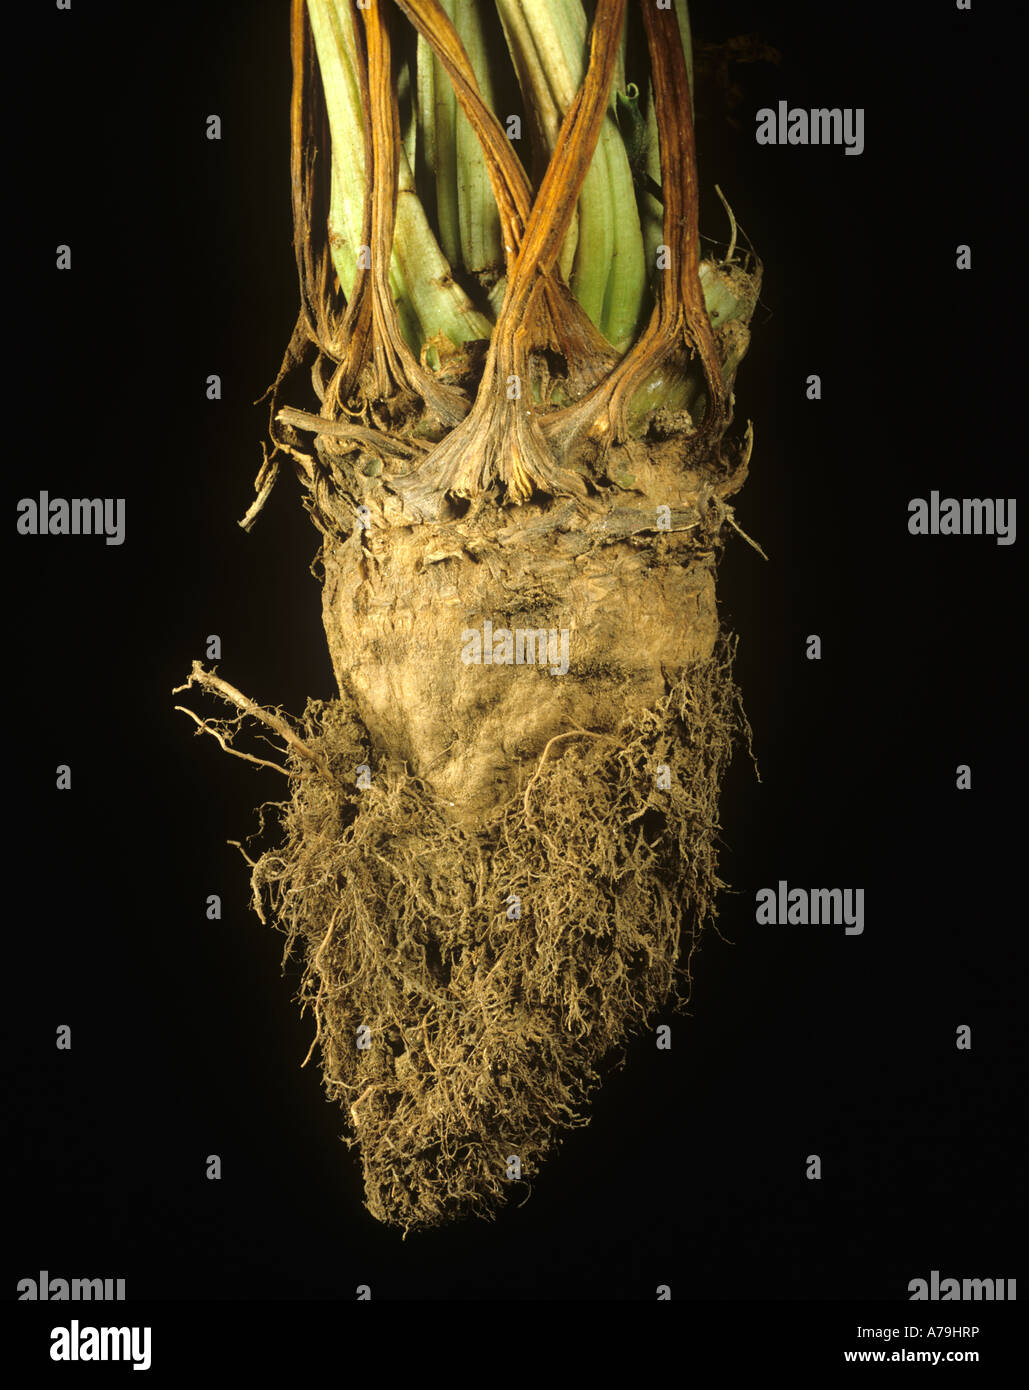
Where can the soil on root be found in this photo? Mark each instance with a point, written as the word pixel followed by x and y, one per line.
pixel 469 983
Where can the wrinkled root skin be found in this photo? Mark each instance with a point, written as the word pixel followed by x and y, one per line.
pixel 622 614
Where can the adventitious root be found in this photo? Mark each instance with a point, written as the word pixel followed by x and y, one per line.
pixel 468 985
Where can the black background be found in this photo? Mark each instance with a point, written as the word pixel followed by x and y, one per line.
pixel 186 1041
